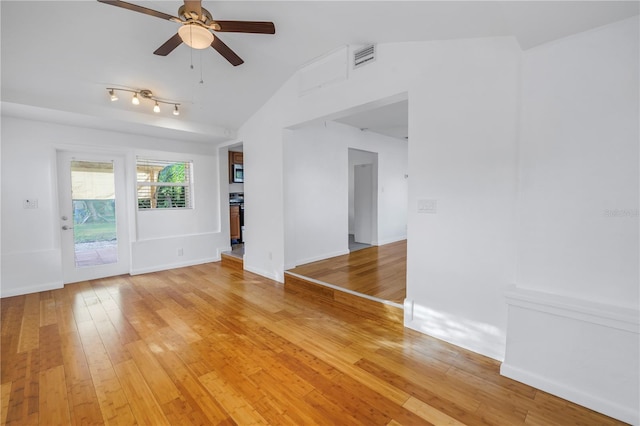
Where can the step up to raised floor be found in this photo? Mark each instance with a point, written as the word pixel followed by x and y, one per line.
pixel 232 261
pixel 366 305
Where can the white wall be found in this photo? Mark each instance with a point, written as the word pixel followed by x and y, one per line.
pixel 31 258
pixel 31 238
pixel 317 193
pixel 579 161
pixel 459 268
pixel 197 232
pixel 462 156
pixel 264 214
pixel 576 297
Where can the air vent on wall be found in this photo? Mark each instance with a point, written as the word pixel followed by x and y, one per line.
pixel 363 56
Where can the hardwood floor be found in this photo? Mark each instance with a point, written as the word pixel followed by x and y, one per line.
pixel 378 271
pixel 211 344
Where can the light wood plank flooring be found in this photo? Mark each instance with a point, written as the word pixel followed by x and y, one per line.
pixel 211 344
pixel 378 271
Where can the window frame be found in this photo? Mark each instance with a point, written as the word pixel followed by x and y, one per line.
pixel 161 164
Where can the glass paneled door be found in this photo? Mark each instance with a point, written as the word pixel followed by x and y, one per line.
pixel 92 216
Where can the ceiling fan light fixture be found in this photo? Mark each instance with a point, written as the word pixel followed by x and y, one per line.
pixel 156 107
pixel 176 111
pixel 113 95
pixel 195 36
pixel 135 100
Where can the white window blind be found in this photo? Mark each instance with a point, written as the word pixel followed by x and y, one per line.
pixel 164 184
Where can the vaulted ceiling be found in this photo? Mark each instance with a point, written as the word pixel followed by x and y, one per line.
pixel 58 57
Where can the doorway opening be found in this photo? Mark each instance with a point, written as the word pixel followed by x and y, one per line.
pixel 236 200
pixel 346 196
pixel 363 199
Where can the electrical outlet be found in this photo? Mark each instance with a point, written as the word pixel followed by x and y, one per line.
pixel 180 252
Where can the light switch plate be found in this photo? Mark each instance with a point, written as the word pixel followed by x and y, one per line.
pixel 428 206
pixel 31 203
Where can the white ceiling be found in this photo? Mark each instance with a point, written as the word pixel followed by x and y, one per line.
pixel 390 120
pixel 82 47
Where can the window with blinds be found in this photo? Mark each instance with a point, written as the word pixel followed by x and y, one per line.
pixel 164 184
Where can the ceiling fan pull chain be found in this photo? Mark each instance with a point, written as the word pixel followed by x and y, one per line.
pixel 191 58
pixel 191 50
pixel 201 79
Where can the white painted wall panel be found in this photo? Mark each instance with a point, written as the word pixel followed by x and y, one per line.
pixel 584 351
pixel 579 180
pixel 462 155
pixel 578 221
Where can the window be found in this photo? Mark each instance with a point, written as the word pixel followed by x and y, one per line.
pixel 164 184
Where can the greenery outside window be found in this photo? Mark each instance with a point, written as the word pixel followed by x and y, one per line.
pixel 164 184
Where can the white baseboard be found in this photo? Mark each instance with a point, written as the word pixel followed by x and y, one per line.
pixel 30 272
pixel 55 285
pixel 270 275
pixel 391 240
pixel 484 340
pixel 160 254
pixel 321 257
pixel 601 405
pixel 168 266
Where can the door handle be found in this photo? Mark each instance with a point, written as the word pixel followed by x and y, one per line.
pixel 65 227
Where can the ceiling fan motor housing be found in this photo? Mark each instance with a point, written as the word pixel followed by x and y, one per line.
pixel 205 17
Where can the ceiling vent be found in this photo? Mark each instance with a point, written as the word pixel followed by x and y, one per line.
pixel 364 56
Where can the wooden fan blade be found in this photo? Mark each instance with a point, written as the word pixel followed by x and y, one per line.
pixel 193 6
pixel 256 27
pixel 168 46
pixel 137 8
pixel 226 52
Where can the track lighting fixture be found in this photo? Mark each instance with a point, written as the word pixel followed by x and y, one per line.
pixel 144 94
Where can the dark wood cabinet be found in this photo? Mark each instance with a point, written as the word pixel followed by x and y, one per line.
pixel 234 158
pixel 234 222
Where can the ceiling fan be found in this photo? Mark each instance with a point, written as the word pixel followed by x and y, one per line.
pixel 196 26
